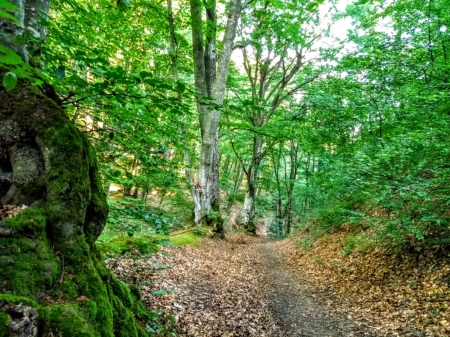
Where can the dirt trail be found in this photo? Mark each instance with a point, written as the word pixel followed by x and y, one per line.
pixel 238 287
pixel 297 310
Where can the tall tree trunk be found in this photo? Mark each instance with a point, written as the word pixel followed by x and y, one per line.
pixel 129 186
pixel 306 200
pixel 239 175
pixel 271 79
pixel 290 184
pixel 53 279
pixel 277 221
pixel 246 218
pixel 210 83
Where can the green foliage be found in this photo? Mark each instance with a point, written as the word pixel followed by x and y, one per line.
pixel 4 4
pixel 9 81
pixel 161 324
pixel 360 242
pixel 9 57
pixel 131 215
pixel 4 324
pixel 163 292
pixel 306 242
pixel 384 144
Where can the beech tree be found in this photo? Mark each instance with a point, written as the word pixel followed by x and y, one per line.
pixel 53 279
pixel 211 71
pixel 277 64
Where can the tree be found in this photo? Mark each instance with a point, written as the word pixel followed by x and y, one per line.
pixel 211 73
pixel 380 118
pixel 274 54
pixel 53 278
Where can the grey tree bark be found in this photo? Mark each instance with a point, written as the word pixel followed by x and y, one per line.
pixel 210 79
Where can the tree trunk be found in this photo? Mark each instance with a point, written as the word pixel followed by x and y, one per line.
pixel 246 218
pixel 239 175
pixel 271 74
pixel 195 193
pixel 53 279
pixel 277 222
pixel 210 82
pixel 290 184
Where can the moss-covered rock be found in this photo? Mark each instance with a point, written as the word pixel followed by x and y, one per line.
pixel 191 237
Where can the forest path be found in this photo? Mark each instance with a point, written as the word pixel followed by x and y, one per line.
pixel 238 287
pixel 297 308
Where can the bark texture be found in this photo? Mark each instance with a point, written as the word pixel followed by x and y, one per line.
pixel 29 14
pixel 52 277
pixel 211 74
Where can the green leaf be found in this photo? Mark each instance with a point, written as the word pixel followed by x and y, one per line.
pixel 9 56
pixel 60 72
pixel 311 7
pixel 145 74
pixel 9 6
pixel 124 3
pixel 181 86
pixel 9 81
pixel 36 81
pixel 20 72
pixel 9 17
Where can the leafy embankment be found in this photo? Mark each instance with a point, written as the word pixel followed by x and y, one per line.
pixel 404 292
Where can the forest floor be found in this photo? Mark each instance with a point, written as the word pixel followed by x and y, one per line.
pixel 244 286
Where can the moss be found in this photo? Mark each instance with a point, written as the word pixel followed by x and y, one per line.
pixel 68 289
pixel 125 244
pixel 57 240
pixel 122 299
pixel 18 299
pixel 93 313
pixel 5 321
pixel 189 238
pixel 27 266
pixel 31 221
pixel 65 321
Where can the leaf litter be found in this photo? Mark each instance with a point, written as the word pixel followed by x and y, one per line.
pixel 236 287
pixel 405 294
